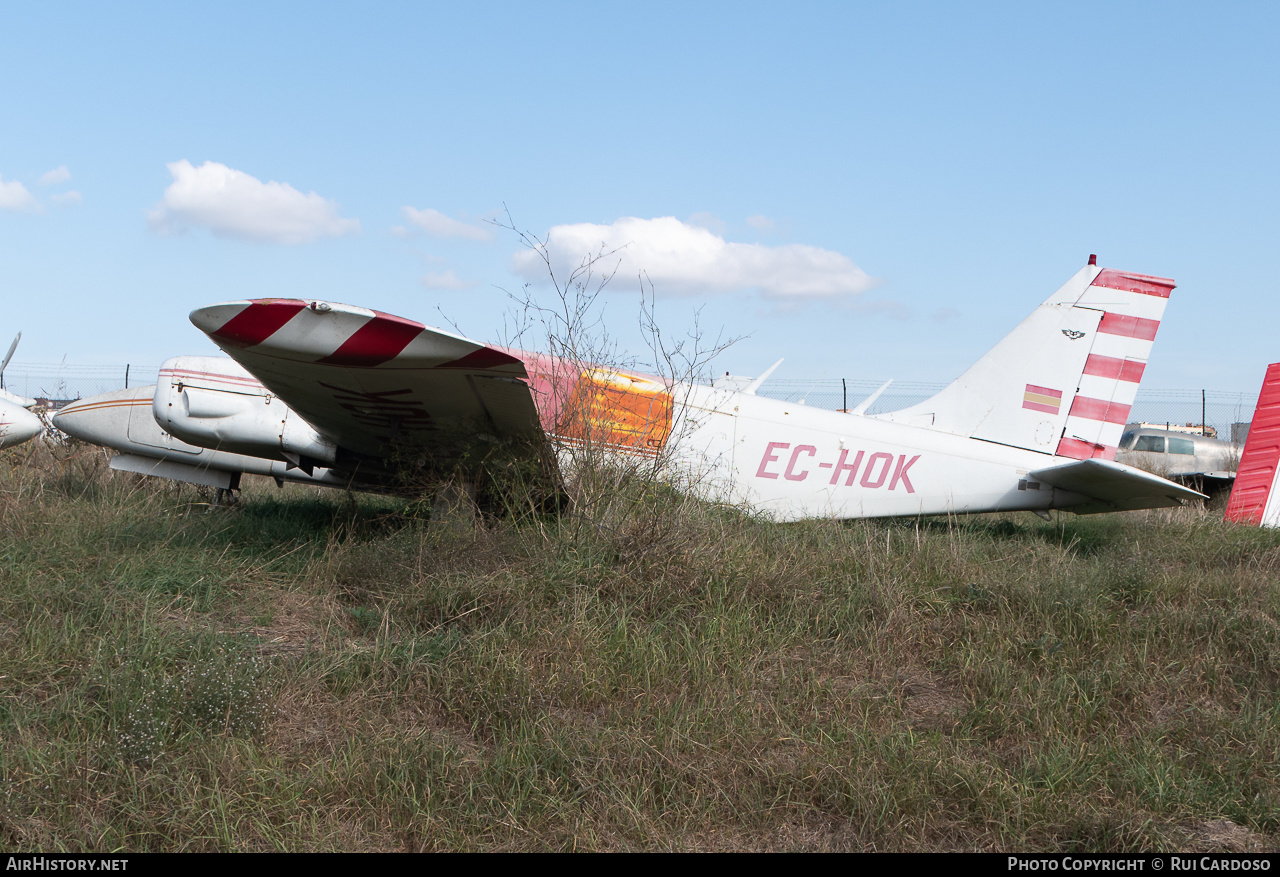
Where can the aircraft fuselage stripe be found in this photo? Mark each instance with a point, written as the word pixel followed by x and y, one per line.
pixel 95 406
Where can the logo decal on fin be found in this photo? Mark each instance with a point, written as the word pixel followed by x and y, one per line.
pixel 1072 334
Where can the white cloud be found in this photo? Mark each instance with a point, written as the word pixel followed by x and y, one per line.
pixel 60 174
pixel 437 225
pixel 681 259
pixel 445 280
pixel 232 204
pixel 14 196
pixel 71 197
pixel 760 222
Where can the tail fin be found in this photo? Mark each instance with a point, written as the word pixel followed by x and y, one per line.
pixel 1254 498
pixel 1064 380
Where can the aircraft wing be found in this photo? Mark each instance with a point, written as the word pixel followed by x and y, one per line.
pixel 365 379
pixel 1113 486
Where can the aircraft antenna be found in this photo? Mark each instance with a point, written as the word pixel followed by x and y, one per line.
pixel 866 403
pixel 755 385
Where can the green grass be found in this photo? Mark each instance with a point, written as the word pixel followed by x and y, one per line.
pixel 314 671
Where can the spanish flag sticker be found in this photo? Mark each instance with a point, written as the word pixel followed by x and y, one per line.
pixel 1042 399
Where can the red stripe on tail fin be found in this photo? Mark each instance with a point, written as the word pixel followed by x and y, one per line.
pixel 1143 283
pixel 1257 472
pixel 1115 368
pixel 1129 326
pixel 1082 450
pixel 1100 409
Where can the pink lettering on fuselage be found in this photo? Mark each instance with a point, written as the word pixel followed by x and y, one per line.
pixel 770 457
pixel 791 474
pixel 881 466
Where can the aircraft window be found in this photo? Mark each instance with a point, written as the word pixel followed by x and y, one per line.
pixel 1152 443
pixel 1181 446
pixel 1126 440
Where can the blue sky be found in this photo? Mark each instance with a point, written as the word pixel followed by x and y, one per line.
pixel 869 190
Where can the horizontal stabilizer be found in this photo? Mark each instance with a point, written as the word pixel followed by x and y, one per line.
pixel 1113 486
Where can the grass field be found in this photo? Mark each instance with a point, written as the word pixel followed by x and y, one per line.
pixel 315 671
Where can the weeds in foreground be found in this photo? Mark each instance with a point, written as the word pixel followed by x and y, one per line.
pixel 309 672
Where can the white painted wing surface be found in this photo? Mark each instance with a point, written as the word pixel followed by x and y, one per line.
pixel 1113 486
pixel 363 378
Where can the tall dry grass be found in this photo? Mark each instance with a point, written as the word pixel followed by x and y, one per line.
pixel 311 671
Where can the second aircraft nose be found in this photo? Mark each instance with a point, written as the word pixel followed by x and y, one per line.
pixel 17 425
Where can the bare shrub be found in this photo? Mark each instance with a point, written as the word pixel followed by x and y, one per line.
pixel 614 429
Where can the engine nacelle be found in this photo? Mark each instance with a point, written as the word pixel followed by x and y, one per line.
pixel 211 402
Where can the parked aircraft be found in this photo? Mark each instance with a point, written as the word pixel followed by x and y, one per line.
pixel 1254 498
pixel 17 423
pixel 1206 463
pixel 326 393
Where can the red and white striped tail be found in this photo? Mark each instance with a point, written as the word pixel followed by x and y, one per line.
pixel 1132 305
pixel 1254 498
pixel 1061 383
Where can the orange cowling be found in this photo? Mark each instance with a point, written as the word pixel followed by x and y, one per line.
pixel 617 410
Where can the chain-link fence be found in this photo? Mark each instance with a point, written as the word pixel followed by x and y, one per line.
pixel 60 382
